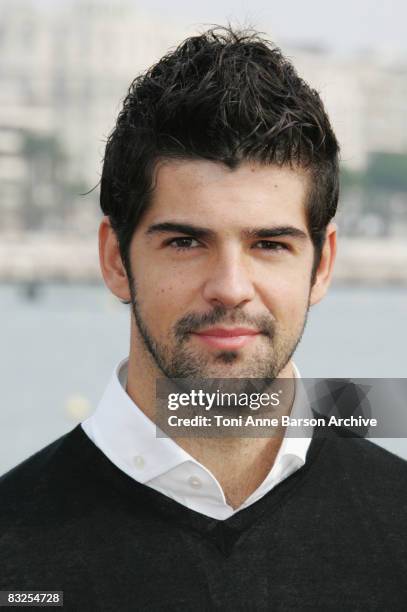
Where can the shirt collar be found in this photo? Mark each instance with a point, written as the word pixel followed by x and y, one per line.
pixel 127 434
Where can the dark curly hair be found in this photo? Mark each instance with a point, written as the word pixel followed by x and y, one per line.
pixel 226 95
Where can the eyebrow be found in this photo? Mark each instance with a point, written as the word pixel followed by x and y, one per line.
pixel 169 227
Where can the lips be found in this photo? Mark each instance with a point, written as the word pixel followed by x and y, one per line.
pixel 235 338
pixel 228 333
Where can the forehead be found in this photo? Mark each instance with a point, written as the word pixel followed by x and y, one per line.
pixel 197 190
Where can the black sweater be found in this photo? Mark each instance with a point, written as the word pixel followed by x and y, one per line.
pixel 332 536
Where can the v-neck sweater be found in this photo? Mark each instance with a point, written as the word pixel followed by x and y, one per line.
pixel 332 536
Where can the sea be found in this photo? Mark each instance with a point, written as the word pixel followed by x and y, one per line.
pixel 61 342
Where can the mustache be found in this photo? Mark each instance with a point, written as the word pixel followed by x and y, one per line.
pixel 194 322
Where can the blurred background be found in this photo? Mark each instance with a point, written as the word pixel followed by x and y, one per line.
pixel 64 69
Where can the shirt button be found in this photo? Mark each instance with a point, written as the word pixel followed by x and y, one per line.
pixel 138 462
pixel 194 482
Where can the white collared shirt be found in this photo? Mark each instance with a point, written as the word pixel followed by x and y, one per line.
pixel 121 430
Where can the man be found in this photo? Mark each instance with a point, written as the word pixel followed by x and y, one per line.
pixel 219 186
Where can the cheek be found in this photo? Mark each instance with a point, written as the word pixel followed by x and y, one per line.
pixel 163 297
pixel 287 298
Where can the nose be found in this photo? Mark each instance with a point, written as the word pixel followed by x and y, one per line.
pixel 228 282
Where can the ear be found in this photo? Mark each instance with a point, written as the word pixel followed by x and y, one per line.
pixel 324 271
pixel 113 270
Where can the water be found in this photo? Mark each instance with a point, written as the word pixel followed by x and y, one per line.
pixel 58 351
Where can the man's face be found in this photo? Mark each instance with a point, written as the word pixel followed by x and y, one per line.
pixel 216 274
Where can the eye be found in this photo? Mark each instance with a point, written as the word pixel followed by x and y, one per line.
pixel 269 245
pixel 183 243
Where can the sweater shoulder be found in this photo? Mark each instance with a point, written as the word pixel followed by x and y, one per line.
pixel 367 463
pixel 35 483
pixel 34 465
pixel 381 458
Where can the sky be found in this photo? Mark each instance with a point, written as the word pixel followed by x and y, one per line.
pixel 343 26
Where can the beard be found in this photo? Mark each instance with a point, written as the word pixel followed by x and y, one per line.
pixel 177 359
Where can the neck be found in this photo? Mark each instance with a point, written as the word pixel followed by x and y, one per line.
pixel 240 465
